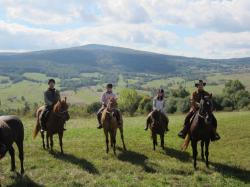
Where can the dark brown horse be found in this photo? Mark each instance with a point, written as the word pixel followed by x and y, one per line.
pixel 54 124
pixel 201 129
pixel 110 124
pixel 11 130
pixel 158 124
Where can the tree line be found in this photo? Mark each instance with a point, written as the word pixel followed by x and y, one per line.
pixel 234 97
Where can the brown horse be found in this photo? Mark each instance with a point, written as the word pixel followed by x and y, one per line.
pixel 110 124
pixel 55 123
pixel 201 129
pixel 158 124
pixel 11 130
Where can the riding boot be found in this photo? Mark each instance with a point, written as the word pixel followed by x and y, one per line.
pixel 187 124
pixel 42 123
pixel 99 116
pixel 43 126
pixel 167 121
pixel 183 132
pixel 147 123
pixel 215 136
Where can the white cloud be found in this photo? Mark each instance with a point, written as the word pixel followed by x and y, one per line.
pixel 15 36
pixel 221 45
pixel 222 25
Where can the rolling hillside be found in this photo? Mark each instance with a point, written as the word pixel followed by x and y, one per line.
pixel 101 58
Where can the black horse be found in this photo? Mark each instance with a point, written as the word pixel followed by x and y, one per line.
pixel 201 129
pixel 11 130
pixel 158 123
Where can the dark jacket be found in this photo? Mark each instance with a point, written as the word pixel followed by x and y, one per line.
pixel 51 97
pixel 196 98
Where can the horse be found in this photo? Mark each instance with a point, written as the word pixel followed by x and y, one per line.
pixel 201 130
pixel 11 130
pixel 158 124
pixel 54 125
pixel 110 124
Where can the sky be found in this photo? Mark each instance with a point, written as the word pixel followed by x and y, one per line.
pixel 197 28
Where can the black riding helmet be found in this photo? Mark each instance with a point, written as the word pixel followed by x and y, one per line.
pixel 109 85
pixel 52 80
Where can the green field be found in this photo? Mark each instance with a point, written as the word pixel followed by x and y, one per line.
pixel 85 162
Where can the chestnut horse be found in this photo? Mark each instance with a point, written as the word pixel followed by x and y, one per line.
pixel 110 124
pixel 55 123
pixel 201 129
pixel 158 124
pixel 11 130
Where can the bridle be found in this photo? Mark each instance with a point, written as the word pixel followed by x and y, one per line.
pixel 203 114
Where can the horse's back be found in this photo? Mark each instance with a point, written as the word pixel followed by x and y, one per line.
pixel 15 126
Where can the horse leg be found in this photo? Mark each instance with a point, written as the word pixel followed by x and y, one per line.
pixel 202 150
pixel 162 141
pixel 51 142
pixel 154 137
pixel 60 141
pixel 207 152
pixel 107 141
pixel 21 155
pixel 47 140
pixel 122 137
pixel 114 141
pixel 42 134
pixel 111 139
pixel 12 155
pixel 194 147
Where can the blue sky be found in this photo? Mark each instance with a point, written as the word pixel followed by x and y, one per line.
pixel 199 28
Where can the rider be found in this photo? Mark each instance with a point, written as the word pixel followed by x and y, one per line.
pixel 51 97
pixel 159 105
pixel 195 99
pixel 104 100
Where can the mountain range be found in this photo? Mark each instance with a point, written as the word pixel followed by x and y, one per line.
pixel 70 62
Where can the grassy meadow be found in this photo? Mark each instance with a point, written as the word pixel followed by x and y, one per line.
pixel 85 162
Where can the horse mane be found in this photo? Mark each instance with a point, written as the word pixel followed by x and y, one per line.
pixel 60 105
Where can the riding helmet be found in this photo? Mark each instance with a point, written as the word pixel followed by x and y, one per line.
pixel 51 80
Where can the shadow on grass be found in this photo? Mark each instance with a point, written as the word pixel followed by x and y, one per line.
pixel 23 181
pixel 180 155
pixel 136 159
pixel 232 171
pixel 83 163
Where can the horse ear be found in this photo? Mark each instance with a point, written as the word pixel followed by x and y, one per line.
pixel 65 98
pixel 210 95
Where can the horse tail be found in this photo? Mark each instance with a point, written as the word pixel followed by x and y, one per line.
pixel 37 127
pixel 186 142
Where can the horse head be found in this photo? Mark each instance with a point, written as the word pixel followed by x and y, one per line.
pixel 61 109
pixel 206 107
pixel 112 103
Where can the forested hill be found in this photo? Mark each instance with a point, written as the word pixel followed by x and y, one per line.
pixel 70 62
